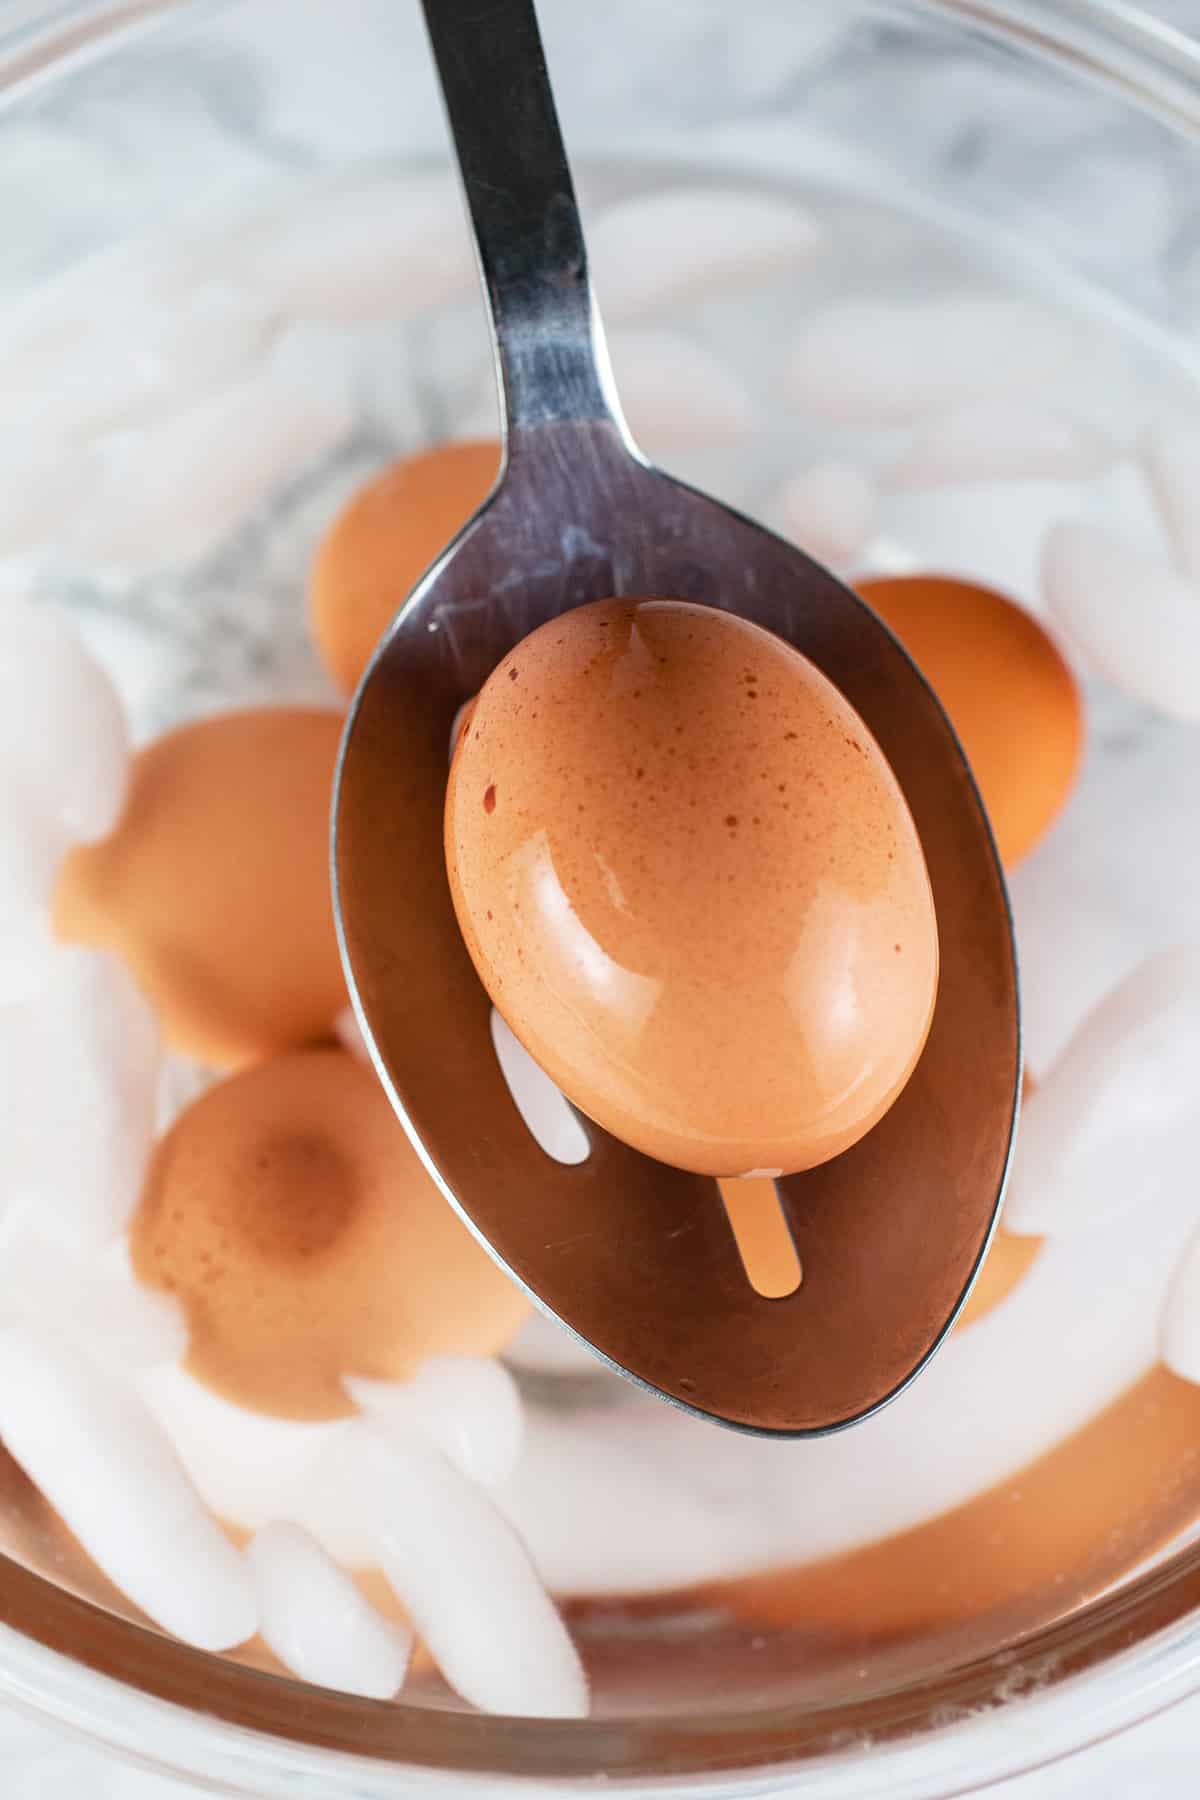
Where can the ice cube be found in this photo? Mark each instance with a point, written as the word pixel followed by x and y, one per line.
pixel 95 1304
pixel 451 360
pixel 143 658
pixel 251 1468
pixel 863 361
pixel 632 1516
pixel 383 248
pixel 364 366
pixel 126 1326
pixel 104 287
pixel 662 248
pixel 150 361
pixel 1116 880
pixel 63 732
pixel 676 393
pixel 1136 620
pixel 31 852
pixel 39 1278
pixel 995 532
pixel 312 1614
pixel 169 493
pixel 79 1065
pixel 41 480
pixel 827 509
pixel 467 1582
pixel 1173 462
pixel 105 1467
pixel 999 440
pixel 1096 1138
pixel 1072 947
pixel 1123 500
pixel 467 1406
pixel 986 532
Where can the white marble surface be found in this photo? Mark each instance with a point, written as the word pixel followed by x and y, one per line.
pixel 618 56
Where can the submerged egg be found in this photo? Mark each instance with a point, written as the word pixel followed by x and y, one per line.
pixel 691 885
pixel 1009 1259
pixel 1008 692
pixel 382 542
pixel 214 886
pixel 290 1215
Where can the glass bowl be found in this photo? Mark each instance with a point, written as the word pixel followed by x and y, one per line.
pixel 190 191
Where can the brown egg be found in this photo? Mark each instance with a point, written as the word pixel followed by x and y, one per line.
pixel 1054 1534
pixel 690 883
pixel 382 542
pixel 1008 692
pixel 1009 1260
pixel 291 1216
pixel 214 886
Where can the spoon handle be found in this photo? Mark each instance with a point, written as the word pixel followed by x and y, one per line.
pixel 548 339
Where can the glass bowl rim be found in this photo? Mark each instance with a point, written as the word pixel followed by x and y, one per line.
pixel 1115 1662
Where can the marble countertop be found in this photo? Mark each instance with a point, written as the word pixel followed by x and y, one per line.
pixel 1159 1759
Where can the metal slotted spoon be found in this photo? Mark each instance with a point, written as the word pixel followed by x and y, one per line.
pixel 638 1259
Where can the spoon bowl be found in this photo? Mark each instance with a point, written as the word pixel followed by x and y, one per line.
pixel 639 1260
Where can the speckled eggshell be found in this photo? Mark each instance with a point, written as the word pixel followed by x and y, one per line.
pixel 382 542
pixel 214 884
pixel 1007 688
pixel 690 883
pixel 291 1217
